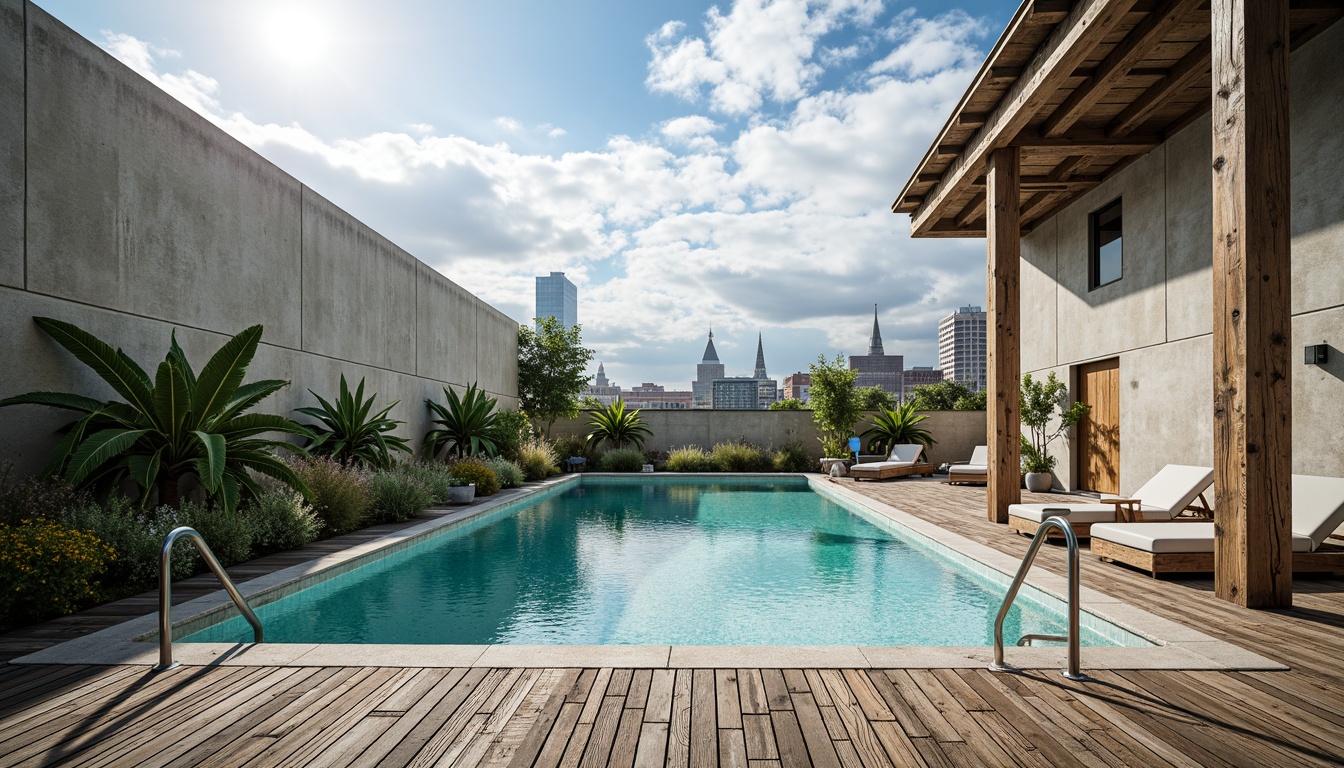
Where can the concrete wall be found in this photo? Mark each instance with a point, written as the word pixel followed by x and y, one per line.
pixel 126 213
pixel 1158 319
pixel 957 432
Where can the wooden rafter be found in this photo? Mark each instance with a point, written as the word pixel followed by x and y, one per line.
pixel 1066 48
pixel 1117 64
pixel 1193 66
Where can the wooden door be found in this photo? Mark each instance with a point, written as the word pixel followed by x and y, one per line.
pixel 1099 431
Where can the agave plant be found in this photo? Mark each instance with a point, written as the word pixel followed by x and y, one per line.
pixel 466 425
pixel 898 427
pixel 614 424
pixel 177 424
pixel 347 432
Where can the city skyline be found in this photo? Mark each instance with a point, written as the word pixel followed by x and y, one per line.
pixel 706 164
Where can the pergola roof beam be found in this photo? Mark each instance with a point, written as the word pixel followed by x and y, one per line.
pixel 1194 65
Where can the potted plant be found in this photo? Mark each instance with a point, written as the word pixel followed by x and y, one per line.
pixel 1040 401
pixel 460 491
pixel 898 427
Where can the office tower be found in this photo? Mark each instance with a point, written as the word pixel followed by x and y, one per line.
pixel 962 347
pixel 706 372
pixel 559 298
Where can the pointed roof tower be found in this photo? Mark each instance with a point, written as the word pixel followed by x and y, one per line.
pixel 601 376
pixel 875 341
pixel 760 360
pixel 711 356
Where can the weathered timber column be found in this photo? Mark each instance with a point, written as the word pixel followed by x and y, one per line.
pixel 1252 387
pixel 1003 234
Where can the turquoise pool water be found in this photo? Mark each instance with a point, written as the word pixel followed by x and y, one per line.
pixel 680 563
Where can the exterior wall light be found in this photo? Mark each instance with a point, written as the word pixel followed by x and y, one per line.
pixel 1316 354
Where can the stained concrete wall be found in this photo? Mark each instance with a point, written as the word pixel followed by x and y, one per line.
pixel 1158 319
pixel 957 432
pixel 126 213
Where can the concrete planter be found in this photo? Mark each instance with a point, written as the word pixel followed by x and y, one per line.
pixel 462 494
pixel 1039 482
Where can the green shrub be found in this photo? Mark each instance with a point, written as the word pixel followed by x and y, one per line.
pixel 281 520
pixel 512 431
pixel 398 496
pixel 740 457
pixel 137 536
pixel 32 498
pixel 226 532
pixel 510 475
pixel 347 433
pixel 689 459
pixel 538 460
pixel 47 569
pixel 474 471
pixel 622 460
pixel 435 475
pixel 572 446
pixel 340 496
pixel 792 458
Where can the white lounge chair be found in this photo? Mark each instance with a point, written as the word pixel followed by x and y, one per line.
pixel 903 461
pixel 1173 489
pixel 1318 509
pixel 974 471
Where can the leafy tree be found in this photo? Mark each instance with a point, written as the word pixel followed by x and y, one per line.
pixel 176 425
pixel 942 396
pixel 551 365
pixel 590 403
pixel 466 425
pixel 975 401
pixel 875 398
pixel 835 402
pixel 1040 401
pixel 614 424
pixel 347 432
pixel 899 426
pixel 789 404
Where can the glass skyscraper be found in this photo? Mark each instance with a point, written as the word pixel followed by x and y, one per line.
pixel 558 298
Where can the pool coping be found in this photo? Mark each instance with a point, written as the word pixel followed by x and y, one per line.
pixel 1175 646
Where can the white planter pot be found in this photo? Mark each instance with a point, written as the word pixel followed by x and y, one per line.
pixel 462 494
pixel 1039 482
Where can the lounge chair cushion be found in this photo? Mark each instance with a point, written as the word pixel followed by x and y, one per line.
pixel 979 457
pixel 1318 507
pixel 1173 488
pixel 878 466
pixel 1082 513
pixel 1171 538
pixel 908 454
pixel 967 469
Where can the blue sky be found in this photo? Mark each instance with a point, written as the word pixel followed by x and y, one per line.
pixel 688 164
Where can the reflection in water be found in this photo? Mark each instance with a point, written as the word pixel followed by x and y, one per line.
pixel 718 564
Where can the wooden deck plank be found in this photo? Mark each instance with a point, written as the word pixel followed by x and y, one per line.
pixel 704 726
pixel 776 691
pixel 732 751
pixel 729 701
pixel 557 740
pixel 760 737
pixel 818 739
pixel 658 708
pixel 652 748
pixel 679 729
pixel 603 735
pixel 752 692
pixel 626 745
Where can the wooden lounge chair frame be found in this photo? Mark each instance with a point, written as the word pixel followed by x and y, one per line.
pixel 1126 511
pixel 965 478
pixel 1328 558
pixel 859 472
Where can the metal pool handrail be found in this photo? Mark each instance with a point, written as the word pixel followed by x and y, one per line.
pixel 166 593
pixel 1053 520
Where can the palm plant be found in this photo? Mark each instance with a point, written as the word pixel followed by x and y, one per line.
pixel 898 427
pixel 466 425
pixel 347 432
pixel 614 424
pixel 177 424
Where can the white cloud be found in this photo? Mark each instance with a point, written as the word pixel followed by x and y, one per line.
pixel 782 224
pixel 556 133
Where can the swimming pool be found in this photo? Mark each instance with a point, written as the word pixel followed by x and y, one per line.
pixel 665 560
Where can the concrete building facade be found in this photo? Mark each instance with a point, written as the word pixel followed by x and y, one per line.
pixel 736 393
pixel 658 397
pixel 128 214
pixel 877 368
pixel 559 298
pixel 796 386
pixel 962 349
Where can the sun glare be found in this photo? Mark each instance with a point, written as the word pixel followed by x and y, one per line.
pixel 296 35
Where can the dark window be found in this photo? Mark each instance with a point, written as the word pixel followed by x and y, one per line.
pixel 1107 261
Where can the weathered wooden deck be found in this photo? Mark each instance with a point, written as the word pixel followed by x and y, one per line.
pixel 338 716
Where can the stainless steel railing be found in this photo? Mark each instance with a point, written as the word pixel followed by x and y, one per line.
pixel 1053 520
pixel 166 593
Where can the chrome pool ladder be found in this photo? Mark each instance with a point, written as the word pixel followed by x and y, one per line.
pixel 1054 519
pixel 166 593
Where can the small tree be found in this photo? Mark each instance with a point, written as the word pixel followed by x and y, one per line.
pixel 975 401
pixel 789 404
pixel 942 396
pixel 875 398
pixel 551 365
pixel 1040 399
pixel 835 403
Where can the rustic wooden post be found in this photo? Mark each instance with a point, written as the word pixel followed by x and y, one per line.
pixel 1003 234
pixel 1252 399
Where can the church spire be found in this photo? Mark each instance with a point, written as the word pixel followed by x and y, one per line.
pixel 875 341
pixel 602 380
pixel 760 360
pixel 711 356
